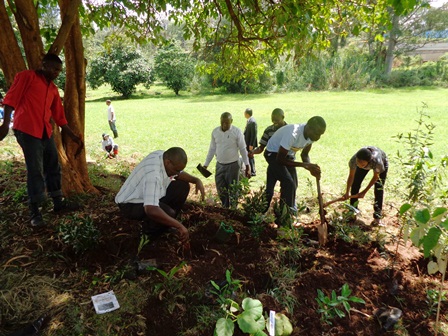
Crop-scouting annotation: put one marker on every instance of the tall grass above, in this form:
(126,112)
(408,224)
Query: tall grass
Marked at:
(354,119)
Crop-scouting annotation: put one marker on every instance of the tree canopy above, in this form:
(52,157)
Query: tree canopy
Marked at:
(243,36)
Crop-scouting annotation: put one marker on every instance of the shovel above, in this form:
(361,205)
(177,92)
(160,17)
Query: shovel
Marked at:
(322,229)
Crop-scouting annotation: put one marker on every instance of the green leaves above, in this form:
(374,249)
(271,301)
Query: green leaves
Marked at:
(251,320)
(329,308)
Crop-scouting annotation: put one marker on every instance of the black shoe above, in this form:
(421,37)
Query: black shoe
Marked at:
(37,221)
(65,205)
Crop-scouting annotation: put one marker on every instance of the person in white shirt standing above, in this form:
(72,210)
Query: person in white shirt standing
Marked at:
(226,142)
(111,117)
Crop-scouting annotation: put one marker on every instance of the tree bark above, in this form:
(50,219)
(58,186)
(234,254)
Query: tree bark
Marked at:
(75,178)
(28,22)
(393,34)
(11,60)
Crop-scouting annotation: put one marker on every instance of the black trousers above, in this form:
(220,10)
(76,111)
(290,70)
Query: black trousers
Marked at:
(360,174)
(172,203)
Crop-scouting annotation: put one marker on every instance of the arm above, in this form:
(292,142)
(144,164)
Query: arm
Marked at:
(375,178)
(183,176)
(4,128)
(350,178)
(67,130)
(256,150)
(314,169)
(158,215)
(211,152)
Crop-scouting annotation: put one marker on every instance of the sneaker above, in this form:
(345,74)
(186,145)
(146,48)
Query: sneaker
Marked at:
(37,221)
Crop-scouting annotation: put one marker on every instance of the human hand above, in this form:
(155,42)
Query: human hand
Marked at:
(250,154)
(184,236)
(359,195)
(4,129)
(248,172)
(200,188)
(314,169)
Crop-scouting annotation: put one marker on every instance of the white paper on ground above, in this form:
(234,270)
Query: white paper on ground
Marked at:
(105,302)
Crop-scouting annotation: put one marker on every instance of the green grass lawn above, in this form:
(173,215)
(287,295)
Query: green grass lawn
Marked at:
(354,119)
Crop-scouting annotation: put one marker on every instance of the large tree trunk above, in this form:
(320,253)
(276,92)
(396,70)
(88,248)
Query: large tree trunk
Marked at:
(26,17)
(75,178)
(11,60)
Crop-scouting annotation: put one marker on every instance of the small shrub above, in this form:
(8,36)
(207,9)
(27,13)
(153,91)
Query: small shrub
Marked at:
(79,232)
(331,307)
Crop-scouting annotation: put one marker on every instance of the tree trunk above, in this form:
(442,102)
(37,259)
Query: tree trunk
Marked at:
(11,60)
(28,22)
(75,178)
(393,35)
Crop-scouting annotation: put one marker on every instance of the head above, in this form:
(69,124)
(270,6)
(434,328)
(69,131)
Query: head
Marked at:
(314,128)
(108,102)
(105,136)
(278,117)
(363,157)
(51,66)
(174,160)
(226,121)
(248,113)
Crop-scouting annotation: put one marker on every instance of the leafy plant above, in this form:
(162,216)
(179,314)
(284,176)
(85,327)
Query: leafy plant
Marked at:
(249,318)
(171,286)
(422,175)
(79,232)
(432,299)
(227,290)
(331,306)
(144,240)
(430,232)
(282,214)
(237,191)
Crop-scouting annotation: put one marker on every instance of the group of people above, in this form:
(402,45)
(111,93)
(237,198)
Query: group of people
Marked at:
(158,187)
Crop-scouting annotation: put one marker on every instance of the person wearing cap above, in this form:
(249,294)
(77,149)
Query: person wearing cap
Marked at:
(109,146)
(112,118)
(226,142)
(365,159)
(156,191)
(35,100)
(280,154)
(250,137)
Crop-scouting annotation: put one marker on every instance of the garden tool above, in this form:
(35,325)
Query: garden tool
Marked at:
(322,229)
(203,171)
(336,200)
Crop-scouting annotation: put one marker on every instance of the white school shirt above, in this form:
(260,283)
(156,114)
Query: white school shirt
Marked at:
(225,146)
(110,111)
(147,183)
(289,137)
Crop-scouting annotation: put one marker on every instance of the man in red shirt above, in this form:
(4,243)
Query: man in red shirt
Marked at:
(35,100)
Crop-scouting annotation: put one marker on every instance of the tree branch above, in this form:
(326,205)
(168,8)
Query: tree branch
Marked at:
(67,23)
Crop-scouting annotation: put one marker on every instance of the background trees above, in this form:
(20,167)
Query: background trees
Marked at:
(235,41)
(174,67)
(121,66)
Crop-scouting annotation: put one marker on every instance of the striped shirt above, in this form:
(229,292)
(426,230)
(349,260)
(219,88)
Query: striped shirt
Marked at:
(147,183)
(268,133)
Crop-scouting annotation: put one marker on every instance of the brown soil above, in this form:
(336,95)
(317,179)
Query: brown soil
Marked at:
(380,274)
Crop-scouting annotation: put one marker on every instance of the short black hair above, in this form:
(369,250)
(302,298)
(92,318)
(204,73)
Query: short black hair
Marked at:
(278,111)
(176,154)
(248,111)
(53,58)
(364,154)
(317,122)
(226,115)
